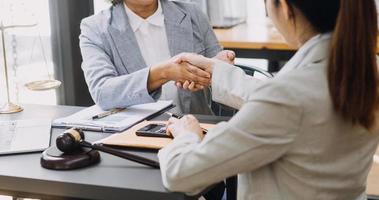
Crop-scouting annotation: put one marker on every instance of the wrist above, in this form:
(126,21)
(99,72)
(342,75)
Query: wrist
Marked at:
(156,78)
(160,72)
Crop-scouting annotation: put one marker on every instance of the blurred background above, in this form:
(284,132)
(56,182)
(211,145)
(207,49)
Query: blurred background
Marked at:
(30,50)
(51,45)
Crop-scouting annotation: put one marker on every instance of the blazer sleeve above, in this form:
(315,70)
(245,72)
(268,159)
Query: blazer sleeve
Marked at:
(108,88)
(260,133)
(231,86)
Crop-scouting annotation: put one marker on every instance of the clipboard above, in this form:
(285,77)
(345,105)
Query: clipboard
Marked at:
(129,138)
(117,122)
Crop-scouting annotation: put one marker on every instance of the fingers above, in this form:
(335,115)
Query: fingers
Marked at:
(197,71)
(170,129)
(187,124)
(186,85)
(179,84)
(197,75)
(191,86)
(226,56)
(198,79)
(190,118)
(199,87)
(183,70)
(231,54)
(172,120)
(196,60)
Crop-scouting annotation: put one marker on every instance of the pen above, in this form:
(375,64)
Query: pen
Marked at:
(105,114)
(174,115)
(205,131)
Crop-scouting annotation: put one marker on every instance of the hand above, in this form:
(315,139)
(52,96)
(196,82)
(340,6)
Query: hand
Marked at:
(190,86)
(178,71)
(199,61)
(187,124)
(226,56)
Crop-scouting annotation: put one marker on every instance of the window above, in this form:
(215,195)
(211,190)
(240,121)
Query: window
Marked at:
(29,56)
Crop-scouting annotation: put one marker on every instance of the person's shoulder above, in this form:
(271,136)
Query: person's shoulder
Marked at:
(188,8)
(99,21)
(297,87)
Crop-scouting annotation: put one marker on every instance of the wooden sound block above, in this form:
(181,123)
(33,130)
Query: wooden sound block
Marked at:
(54,159)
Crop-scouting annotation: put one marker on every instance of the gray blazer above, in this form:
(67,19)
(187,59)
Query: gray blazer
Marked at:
(286,142)
(114,68)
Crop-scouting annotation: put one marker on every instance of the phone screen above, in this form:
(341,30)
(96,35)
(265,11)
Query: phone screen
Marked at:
(153,130)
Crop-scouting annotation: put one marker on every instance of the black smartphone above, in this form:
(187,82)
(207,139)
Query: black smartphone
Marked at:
(153,130)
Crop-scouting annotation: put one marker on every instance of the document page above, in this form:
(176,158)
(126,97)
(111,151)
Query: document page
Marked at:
(114,122)
(22,136)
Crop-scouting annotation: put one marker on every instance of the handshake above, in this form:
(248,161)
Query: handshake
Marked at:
(194,72)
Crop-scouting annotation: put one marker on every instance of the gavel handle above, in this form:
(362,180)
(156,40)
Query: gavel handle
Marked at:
(127,156)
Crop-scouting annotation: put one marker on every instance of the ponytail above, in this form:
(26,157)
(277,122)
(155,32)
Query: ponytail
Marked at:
(352,71)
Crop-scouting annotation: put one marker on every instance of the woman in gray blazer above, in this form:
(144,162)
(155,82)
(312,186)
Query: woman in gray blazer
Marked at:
(127,52)
(310,132)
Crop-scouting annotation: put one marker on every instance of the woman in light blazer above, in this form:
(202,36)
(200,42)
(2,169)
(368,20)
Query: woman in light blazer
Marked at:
(127,52)
(309,133)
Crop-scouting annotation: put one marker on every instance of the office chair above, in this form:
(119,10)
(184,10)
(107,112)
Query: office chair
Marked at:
(223,110)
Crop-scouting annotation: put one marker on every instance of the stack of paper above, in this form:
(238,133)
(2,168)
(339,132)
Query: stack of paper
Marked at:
(113,123)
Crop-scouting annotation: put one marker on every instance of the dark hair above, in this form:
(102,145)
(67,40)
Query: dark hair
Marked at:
(115,2)
(352,70)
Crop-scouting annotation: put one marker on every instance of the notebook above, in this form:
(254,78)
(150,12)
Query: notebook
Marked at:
(24,136)
(113,123)
(129,138)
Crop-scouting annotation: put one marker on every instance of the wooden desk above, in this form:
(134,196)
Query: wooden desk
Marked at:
(257,39)
(113,178)
(254,35)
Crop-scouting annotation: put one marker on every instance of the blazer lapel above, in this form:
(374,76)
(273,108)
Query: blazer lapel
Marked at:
(180,39)
(125,40)
(178,28)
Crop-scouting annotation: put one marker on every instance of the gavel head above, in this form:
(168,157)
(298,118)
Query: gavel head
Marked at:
(69,141)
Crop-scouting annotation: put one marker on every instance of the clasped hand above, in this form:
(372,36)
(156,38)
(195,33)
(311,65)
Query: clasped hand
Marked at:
(198,65)
(201,67)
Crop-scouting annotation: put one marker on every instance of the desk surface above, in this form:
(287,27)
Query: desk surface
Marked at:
(112,178)
(254,35)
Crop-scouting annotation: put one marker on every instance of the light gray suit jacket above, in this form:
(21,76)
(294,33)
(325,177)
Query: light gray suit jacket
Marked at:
(286,142)
(114,68)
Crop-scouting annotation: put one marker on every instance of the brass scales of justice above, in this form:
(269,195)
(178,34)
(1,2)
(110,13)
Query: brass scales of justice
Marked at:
(39,85)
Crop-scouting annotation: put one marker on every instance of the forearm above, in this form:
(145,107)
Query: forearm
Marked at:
(245,143)
(157,78)
(231,86)
(121,91)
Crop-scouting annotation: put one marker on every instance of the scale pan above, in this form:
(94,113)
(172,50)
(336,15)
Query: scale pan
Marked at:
(43,85)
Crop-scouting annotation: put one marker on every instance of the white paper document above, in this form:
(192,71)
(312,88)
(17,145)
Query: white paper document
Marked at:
(24,136)
(113,123)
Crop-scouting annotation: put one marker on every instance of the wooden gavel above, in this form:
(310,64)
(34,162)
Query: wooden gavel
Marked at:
(73,139)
